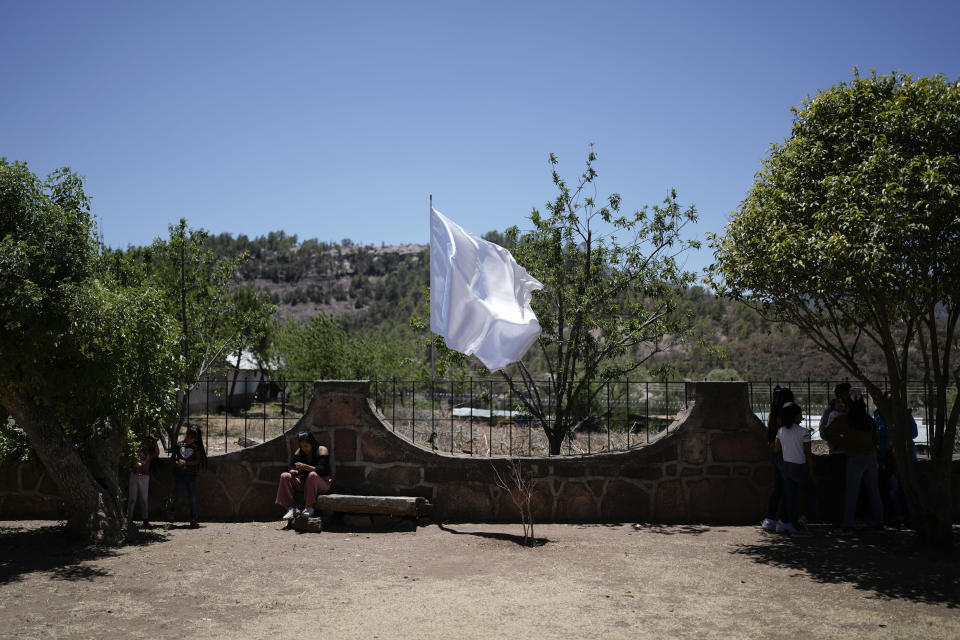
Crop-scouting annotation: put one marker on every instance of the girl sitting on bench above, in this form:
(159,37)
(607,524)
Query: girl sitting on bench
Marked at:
(309,472)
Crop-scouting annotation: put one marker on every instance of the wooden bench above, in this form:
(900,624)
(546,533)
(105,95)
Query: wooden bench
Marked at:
(365,512)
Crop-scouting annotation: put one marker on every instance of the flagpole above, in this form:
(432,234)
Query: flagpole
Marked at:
(433,366)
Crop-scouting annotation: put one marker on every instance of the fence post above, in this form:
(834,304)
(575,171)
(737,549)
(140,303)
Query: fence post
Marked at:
(627,422)
(549,410)
(490,450)
(510,417)
(646,419)
(666,394)
(589,408)
(608,415)
(530,435)
(471,415)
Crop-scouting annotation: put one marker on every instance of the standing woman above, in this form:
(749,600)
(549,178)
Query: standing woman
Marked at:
(189,457)
(140,478)
(781,396)
(309,471)
(794,442)
(856,433)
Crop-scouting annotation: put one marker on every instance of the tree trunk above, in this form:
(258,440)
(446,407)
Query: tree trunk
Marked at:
(89,488)
(173,431)
(929,501)
(233,385)
(937,527)
(930,507)
(556,442)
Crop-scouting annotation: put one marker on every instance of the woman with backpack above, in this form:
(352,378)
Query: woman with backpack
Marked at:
(854,431)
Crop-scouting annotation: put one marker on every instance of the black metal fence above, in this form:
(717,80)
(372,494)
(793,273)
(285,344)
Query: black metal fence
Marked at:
(814,395)
(235,414)
(483,416)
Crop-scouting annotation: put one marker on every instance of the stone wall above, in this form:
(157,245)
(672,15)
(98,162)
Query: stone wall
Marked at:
(711,466)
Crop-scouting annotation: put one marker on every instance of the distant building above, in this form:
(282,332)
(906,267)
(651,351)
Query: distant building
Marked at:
(245,382)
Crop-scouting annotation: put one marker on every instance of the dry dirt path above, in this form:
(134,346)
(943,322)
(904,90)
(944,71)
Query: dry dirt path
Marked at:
(254,580)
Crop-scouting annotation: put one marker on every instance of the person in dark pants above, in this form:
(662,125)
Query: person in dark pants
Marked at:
(189,457)
(793,441)
(856,432)
(775,505)
(836,460)
(890,487)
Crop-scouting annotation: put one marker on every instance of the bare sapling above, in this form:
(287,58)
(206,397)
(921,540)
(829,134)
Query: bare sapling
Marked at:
(519,485)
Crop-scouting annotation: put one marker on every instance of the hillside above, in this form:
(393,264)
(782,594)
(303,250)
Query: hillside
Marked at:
(344,280)
(378,289)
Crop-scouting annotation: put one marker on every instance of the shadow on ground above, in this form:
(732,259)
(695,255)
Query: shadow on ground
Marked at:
(51,549)
(672,529)
(887,563)
(491,535)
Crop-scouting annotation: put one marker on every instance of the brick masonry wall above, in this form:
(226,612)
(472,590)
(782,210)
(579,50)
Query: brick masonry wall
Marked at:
(711,466)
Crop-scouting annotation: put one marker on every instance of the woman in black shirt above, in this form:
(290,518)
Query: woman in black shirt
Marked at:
(309,472)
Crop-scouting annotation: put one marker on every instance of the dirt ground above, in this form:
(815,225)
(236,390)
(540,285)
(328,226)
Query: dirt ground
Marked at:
(256,580)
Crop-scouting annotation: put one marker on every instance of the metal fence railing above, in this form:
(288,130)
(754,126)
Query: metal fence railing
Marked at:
(242,413)
(483,416)
(814,395)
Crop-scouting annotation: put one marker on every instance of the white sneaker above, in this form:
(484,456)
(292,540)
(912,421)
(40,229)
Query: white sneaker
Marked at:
(768,524)
(290,515)
(308,512)
(781,527)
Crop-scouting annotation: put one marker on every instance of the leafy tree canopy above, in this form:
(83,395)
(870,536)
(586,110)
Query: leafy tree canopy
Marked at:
(198,289)
(86,365)
(851,232)
(612,284)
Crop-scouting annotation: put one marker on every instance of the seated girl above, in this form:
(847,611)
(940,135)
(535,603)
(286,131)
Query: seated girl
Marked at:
(309,472)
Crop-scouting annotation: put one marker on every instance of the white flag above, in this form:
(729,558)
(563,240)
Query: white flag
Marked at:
(479,296)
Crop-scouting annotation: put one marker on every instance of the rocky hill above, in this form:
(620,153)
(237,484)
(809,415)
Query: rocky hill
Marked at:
(378,289)
(341,279)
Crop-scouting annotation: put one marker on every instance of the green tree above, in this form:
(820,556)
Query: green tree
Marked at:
(251,321)
(611,288)
(851,232)
(723,375)
(198,291)
(86,365)
(312,350)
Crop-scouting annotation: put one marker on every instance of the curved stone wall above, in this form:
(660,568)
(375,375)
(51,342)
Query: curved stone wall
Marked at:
(711,466)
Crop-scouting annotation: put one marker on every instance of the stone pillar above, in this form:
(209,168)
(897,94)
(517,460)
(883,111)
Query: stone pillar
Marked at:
(722,471)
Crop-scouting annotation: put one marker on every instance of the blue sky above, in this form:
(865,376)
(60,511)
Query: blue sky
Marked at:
(336,120)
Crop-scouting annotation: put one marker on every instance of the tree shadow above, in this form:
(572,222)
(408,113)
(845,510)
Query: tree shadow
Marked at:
(77,572)
(492,535)
(887,563)
(672,529)
(26,550)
